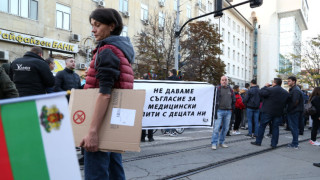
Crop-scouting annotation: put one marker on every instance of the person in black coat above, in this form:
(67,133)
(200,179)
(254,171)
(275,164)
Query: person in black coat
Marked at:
(275,99)
(67,79)
(315,101)
(295,109)
(31,74)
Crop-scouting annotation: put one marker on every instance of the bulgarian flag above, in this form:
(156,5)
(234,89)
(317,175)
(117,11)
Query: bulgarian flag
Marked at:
(36,140)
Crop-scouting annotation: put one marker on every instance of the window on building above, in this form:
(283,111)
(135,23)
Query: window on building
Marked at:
(234,40)
(123,5)
(124,31)
(234,55)
(222,49)
(23,8)
(222,33)
(224,18)
(238,69)
(144,12)
(234,25)
(229,21)
(63,16)
(238,44)
(228,68)
(242,46)
(242,59)
(242,32)
(238,57)
(188,11)
(229,37)
(233,69)
(161,19)
(242,73)
(228,52)
(175,5)
(238,29)
(210,6)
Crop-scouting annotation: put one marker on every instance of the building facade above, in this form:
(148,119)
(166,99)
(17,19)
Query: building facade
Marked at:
(62,28)
(279,24)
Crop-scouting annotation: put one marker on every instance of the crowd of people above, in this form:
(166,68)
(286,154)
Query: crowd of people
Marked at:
(110,67)
(271,105)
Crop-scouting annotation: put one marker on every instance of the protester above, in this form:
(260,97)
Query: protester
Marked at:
(275,99)
(295,108)
(243,93)
(110,68)
(31,74)
(172,76)
(67,79)
(252,102)
(225,101)
(238,109)
(315,101)
(7,87)
(51,64)
(150,131)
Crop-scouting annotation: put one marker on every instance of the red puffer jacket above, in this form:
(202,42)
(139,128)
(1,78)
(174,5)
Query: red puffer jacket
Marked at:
(239,104)
(123,75)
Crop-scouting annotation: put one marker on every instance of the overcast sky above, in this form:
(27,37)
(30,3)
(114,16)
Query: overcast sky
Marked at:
(314,20)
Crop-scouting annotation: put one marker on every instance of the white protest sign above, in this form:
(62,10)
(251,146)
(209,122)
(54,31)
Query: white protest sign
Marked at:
(176,104)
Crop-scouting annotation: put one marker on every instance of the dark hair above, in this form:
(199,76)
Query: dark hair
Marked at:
(173,71)
(235,87)
(253,81)
(108,16)
(293,78)
(49,60)
(37,50)
(246,85)
(278,81)
(315,92)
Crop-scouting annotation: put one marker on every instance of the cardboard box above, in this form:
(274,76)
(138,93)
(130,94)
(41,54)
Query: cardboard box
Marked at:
(121,129)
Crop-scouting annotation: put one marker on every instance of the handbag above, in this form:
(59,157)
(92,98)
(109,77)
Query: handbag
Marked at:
(309,109)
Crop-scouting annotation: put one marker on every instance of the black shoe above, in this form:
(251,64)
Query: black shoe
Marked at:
(151,139)
(254,136)
(316,164)
(228,134)
(273,147)
(143,140)
(81,161)
(255,143)
(301,134)
(250,135)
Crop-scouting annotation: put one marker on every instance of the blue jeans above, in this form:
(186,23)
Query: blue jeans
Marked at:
(265,119)
(253,115)
(103,166)
(293,121)
(224,117)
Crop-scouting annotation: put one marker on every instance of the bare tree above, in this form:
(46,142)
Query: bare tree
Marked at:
(155,46)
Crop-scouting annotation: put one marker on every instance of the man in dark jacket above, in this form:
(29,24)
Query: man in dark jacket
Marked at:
(224,104)
(7,87)
(31,74)
(295,108)
(67,78)
(275,99)
(252,102)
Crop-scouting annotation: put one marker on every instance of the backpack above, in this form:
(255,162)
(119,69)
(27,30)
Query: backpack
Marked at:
(309,109)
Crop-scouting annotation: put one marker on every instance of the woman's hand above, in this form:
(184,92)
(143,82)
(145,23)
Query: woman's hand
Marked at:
(90,142)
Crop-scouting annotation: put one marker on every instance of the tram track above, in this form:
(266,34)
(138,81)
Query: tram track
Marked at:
(210,166)
(185,149)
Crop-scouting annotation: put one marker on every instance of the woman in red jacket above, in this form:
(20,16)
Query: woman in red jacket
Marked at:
(110,68)
(238,109)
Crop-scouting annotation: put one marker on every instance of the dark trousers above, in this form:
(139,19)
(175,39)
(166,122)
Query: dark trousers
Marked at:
(265,119)
(293,122)
(237,116)
(103,165)
(302,123)
(150,134)
(315,127)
